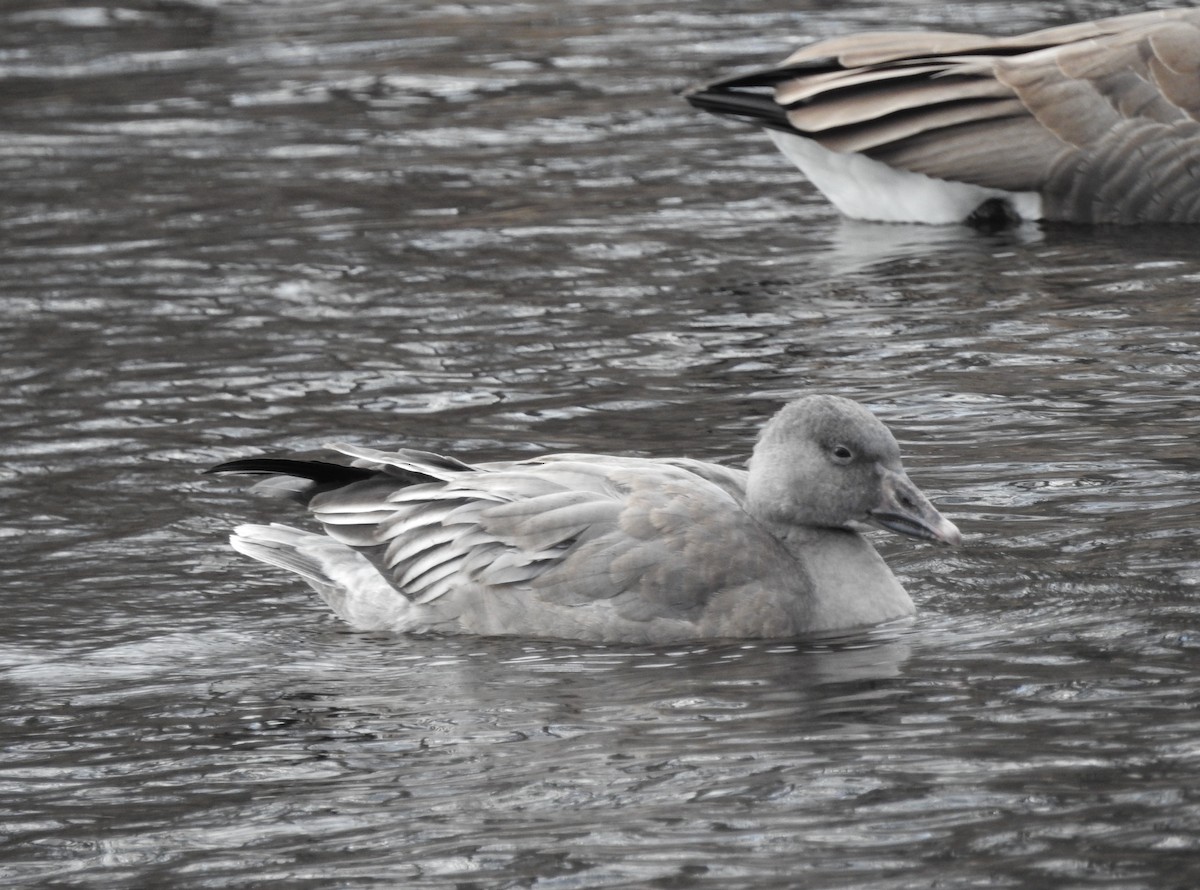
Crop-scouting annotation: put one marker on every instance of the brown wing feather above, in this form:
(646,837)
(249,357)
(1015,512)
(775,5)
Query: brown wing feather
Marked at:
(879,47)
(1099,117)
(879,100)
(1008,153)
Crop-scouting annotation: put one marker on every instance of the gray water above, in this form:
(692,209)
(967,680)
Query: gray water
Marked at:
(230,228)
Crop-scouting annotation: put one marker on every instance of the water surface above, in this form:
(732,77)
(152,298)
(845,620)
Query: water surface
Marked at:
(237,227)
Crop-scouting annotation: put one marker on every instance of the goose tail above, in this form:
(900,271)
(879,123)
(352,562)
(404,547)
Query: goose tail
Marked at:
(343,577)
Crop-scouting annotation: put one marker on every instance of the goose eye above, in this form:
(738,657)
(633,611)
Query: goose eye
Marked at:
(842,454)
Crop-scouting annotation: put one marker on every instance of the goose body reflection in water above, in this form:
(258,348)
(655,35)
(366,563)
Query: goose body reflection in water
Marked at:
(611,549)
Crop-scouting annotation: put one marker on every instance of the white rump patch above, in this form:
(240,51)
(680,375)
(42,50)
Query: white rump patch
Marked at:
(862,188)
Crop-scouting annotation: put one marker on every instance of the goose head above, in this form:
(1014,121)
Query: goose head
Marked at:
(825,462)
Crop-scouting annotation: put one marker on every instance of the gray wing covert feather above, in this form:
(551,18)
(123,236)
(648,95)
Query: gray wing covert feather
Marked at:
(497,527)
(656,539)
(674,547)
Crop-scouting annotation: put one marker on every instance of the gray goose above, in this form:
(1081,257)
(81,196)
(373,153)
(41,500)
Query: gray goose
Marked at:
(605,548)
(1095,122)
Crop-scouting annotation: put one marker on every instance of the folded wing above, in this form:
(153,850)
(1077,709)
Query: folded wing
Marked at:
(1100,118)
(565,531)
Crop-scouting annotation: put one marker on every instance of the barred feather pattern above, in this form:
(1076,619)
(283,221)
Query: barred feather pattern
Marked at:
(1098,121)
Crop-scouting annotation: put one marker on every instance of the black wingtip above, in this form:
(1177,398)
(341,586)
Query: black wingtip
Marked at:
(318,471)
(743,97)
(757,107)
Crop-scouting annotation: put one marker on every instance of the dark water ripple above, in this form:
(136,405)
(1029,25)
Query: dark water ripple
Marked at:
(239,226)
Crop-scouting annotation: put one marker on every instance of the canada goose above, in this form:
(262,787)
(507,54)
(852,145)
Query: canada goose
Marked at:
(1095,122)
(609,549)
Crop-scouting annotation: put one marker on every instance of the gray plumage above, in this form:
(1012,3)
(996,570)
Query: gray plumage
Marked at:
(606,548)
(1097,122)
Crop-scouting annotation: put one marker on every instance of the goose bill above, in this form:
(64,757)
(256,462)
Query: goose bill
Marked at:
(904,509)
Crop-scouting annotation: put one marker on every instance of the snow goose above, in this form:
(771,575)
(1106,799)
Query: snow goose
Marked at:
(1095,122)
(604,548)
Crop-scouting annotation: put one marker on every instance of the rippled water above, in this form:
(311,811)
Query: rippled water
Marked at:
(233,227)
